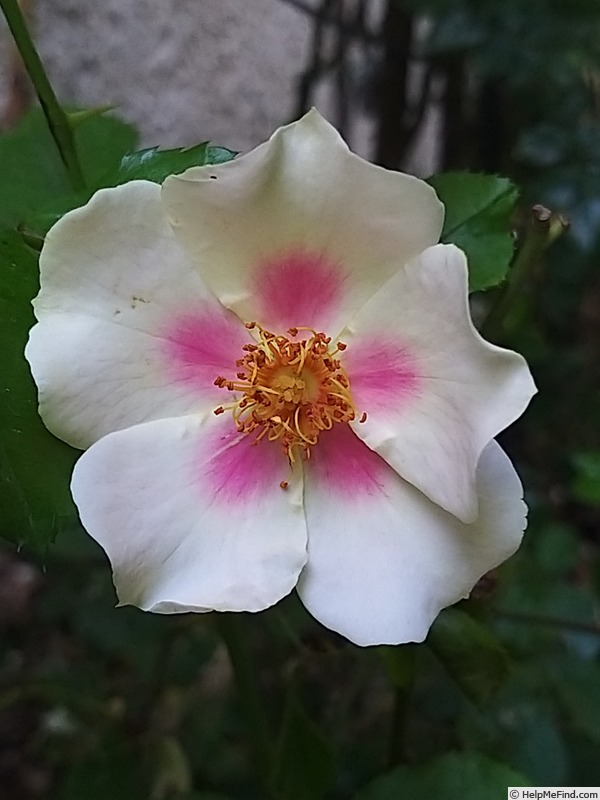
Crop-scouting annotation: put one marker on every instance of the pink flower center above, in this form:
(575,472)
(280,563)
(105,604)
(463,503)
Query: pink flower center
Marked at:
(291,390)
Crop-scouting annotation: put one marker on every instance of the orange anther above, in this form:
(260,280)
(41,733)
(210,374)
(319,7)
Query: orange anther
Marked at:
(284,484)
(364,417)
(290,391)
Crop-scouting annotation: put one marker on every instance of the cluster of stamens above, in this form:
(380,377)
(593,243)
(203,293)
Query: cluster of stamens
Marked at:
(291,390)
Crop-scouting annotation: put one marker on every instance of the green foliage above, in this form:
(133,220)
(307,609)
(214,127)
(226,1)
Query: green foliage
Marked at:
(542,586)
(171,770)
(538,747)
(586,482)
(555,553)
(544,120)
(33,176)
(399,663)
(107,771)
(470,653)
(35,467)
(478,217)
(304,758)
(561,34)
(34,187)
(454,776)
(577,688)
(155,165)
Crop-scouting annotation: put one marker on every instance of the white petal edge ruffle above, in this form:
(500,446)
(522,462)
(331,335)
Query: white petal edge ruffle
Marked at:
(434,390)
(382,565)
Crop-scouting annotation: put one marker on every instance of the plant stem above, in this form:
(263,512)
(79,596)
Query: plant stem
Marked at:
(231,628)
(57,119)
(543,227)
(542,619)
(403,676)
(397,744)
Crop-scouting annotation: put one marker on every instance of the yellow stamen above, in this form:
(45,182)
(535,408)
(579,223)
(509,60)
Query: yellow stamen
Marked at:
(290,390)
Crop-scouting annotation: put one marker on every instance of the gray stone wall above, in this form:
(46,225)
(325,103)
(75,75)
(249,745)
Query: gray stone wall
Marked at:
(181,70)
(188,70)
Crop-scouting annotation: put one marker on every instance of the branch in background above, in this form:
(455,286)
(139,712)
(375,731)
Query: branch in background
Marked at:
(330,58)
(455,141)
(341,75)
(393,134)
(354,30)
(416,113)
(531,618)
(317,66)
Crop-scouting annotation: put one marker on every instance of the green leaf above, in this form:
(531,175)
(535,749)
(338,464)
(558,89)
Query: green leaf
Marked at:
(172,774)
(33,176)
(577,687)
(556,551)
(101,142)
(478,214)
(110,769)
(35,467)
(399,662)
(32,173)
(471,654)
(151,164)
(156,165)
(547,595)
(537,748)
(305,762)
(586,483)
(454,776)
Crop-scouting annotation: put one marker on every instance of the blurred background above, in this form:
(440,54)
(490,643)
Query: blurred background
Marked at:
(97,702)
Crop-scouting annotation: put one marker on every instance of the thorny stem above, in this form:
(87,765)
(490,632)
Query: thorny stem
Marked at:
(231,629)
(543,227)
(57,119)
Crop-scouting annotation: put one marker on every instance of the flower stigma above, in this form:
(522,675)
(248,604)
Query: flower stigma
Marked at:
(291,390)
